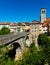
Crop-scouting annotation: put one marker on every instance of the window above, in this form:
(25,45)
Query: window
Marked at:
(39,30)
(18,29)
(43,30)
(42,12)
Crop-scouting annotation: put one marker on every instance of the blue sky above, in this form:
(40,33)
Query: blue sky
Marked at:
(22,10)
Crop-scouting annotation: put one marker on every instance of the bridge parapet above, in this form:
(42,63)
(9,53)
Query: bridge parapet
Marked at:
(6,39)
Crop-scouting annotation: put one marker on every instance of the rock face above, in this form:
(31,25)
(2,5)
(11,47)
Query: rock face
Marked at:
(18,55)
(36,43)
(28,42)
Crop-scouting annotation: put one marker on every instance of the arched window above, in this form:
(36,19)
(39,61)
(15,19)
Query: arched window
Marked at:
(42,12)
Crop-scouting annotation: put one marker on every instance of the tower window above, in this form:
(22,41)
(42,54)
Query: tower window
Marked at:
(42,12)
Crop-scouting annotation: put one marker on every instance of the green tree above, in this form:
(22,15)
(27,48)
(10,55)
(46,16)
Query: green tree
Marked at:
(33,57)
(4,30)
(4,58)
(44,42)
(42,39)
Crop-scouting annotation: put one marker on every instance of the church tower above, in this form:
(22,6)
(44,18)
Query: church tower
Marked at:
(43,15)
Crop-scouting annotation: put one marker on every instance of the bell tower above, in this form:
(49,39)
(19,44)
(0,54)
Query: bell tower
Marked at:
(43,15)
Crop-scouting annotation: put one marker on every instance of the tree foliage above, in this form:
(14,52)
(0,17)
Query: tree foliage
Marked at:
(42,39)
(44,42)
(32,57)
(35,57)
(4,30)
(4,58)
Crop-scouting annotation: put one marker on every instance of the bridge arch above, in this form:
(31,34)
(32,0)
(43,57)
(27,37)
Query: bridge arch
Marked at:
(16,45)
(15,51)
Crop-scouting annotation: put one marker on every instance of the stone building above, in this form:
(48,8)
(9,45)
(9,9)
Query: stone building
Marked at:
(20,27)
(42,15)
(34,28)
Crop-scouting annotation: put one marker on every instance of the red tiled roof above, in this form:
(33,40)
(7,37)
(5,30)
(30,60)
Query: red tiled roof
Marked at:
(35,22)
(23,24)
(4,23)
(7,23)
(46,22)
(20,24)
(12,24)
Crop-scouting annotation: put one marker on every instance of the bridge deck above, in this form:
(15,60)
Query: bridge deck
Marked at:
(6,39)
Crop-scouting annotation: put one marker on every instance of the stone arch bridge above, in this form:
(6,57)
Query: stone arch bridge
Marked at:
(21,40)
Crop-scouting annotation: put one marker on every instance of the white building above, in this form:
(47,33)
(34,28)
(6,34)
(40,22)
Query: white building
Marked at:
(13,27)
(2,24)
(42,29)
